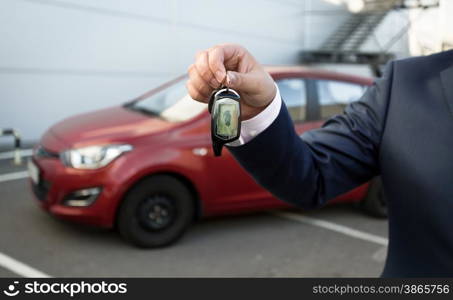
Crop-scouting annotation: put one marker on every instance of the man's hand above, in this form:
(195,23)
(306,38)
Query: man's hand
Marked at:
(243,74)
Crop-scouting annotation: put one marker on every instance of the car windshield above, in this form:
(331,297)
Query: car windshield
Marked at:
(172,104)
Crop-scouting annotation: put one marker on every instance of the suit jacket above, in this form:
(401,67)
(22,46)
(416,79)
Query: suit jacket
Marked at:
(401,129)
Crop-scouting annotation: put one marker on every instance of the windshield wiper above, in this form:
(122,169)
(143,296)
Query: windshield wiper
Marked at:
(134,107)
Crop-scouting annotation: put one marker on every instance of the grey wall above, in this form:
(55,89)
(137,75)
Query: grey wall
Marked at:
(61,57)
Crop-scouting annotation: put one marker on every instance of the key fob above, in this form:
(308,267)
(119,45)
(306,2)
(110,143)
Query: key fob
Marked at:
(225,110)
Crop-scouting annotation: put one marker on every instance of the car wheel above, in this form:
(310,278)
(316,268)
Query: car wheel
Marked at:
(156,212)
(375,203)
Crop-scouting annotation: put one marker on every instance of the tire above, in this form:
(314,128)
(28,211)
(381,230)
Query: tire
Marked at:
(375,203)
(156,212)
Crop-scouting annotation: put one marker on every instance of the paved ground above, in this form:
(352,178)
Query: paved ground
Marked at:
(262,244)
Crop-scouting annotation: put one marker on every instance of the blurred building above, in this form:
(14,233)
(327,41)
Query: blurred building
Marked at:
(432,30)
(62,57)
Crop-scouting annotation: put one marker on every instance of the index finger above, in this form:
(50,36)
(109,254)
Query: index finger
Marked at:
(223,57)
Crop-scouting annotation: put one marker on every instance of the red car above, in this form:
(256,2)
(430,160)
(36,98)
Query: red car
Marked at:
(147,167)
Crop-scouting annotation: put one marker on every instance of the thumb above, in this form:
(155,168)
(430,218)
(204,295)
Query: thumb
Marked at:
(241,81)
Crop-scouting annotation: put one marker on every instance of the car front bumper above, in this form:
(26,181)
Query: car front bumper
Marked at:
(57,182)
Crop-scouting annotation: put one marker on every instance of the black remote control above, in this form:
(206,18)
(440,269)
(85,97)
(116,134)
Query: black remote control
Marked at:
(225,110)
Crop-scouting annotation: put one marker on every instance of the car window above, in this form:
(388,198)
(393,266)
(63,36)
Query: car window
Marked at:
(172,104)
(334,96)
(293,93)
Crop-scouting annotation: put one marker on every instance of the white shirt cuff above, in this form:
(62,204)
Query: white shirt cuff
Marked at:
(252,127)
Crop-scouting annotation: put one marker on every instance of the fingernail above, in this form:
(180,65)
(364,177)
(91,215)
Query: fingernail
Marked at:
(219,76)
(231,77)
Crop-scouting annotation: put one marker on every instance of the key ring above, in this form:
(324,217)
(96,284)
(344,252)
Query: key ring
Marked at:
(223,84)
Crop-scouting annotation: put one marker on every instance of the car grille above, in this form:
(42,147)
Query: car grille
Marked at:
(41,190)
(44,153)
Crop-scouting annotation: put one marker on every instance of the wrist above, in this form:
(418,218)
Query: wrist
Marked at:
(253,111)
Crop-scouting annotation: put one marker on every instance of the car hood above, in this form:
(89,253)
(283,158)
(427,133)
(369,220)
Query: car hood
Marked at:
(111,125)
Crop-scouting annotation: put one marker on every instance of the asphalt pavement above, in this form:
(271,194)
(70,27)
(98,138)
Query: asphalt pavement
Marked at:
(336,241)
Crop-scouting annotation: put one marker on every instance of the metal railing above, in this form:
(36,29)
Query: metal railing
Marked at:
(17,143)
(364,6)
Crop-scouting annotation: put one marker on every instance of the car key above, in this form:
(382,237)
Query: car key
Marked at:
(225,110)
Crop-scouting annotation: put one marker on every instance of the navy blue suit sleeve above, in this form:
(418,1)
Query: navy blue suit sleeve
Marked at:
(309,170)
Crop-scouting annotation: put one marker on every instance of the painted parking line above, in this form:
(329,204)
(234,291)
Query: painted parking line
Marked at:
(361,235)
(380,255)
(13,176)
(20,268)
(10,154)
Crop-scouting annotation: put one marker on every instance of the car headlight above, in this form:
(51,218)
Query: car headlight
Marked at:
(93,157)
